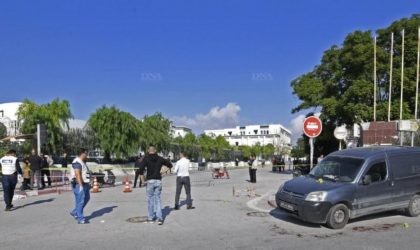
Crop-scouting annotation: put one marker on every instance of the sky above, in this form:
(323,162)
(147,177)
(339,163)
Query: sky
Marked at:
(203,64)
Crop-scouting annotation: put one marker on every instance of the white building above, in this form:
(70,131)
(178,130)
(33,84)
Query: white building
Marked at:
(178,131)
(250,135)
(8,117)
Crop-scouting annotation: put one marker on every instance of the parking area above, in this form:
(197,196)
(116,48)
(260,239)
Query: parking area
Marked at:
(230,214)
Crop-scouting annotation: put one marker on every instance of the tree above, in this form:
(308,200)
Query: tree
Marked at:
(118,132)
(298,151)
(54,115)
(268,150)
(3,131)
(155,130)
(341,86)
(80,138)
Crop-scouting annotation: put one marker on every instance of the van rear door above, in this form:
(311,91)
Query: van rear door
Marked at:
(406,175)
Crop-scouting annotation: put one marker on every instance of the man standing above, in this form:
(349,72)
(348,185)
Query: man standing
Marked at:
(35,163)
(64,163)
(137,173)
(153,164)
(79,174)
(254,167)
(182,168)
(250,163)
(46,162)
(10,168)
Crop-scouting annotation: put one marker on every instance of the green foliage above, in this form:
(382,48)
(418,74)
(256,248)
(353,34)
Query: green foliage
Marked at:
(54,115)
(155,130)
(341,86)
(298,151)
(118,132)
(3,131)
(80,138)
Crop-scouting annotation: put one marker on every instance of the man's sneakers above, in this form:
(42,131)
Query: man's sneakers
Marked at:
(190,207)
(73,215)
(160,222)
(83,222)
(148,221)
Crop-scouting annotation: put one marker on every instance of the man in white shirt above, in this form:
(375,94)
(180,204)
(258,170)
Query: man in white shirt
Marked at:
(10,168)
(182,168)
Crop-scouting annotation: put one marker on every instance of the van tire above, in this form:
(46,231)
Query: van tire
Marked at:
(338,216)
(413,209)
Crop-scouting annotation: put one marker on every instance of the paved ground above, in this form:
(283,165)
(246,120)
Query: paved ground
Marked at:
(221,221)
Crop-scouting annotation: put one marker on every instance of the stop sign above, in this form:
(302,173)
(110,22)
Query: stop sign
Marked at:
(312,126)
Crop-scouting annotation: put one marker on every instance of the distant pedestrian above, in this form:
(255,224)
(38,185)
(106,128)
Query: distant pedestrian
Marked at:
(236,162)
(26,177)
(182,168)
(64,163)
(80,182)
(35,165)
(10,168)
(250,162)
(137,173)
(46,163)
(254,167)
(153,164)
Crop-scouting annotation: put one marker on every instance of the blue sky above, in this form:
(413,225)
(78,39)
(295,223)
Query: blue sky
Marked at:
(181,58)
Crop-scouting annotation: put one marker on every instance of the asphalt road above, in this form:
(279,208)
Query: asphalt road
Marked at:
(221,221)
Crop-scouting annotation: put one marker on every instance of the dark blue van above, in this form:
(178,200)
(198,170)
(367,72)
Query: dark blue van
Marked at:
(355,182)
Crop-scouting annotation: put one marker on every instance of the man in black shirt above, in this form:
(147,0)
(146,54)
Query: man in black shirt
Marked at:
(153,164)
(35,164)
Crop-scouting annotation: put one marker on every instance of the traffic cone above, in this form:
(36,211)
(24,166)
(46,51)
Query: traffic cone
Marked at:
(127,188)
(95,186)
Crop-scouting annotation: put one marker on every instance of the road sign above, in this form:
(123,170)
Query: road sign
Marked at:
(340,133)
(312,126)
(409,125)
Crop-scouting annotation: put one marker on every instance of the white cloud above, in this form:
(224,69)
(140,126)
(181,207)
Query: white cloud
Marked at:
(216,118)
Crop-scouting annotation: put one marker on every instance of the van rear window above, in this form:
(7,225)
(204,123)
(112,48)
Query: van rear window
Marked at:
(405,165)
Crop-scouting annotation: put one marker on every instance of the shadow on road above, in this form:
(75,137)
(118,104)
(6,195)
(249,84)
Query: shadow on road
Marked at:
(101,212)
(35,203)
(280,215)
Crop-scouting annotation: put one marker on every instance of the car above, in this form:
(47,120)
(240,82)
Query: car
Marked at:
(353,183)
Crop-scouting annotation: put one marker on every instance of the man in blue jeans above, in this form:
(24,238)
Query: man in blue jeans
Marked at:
(10,168)
(153,164)
(80,181)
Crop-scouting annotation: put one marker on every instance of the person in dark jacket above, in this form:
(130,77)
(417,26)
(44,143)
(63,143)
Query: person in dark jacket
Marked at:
(45,171)
(35,164)
(137,166)
(153,164)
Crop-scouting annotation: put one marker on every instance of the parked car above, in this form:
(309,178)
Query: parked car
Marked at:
(356,182)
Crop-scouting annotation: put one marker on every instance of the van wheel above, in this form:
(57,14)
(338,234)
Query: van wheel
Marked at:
(338,216)
(413,209)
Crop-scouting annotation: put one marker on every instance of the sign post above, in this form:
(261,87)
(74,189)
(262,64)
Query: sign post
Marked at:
(340,133)
(312,128)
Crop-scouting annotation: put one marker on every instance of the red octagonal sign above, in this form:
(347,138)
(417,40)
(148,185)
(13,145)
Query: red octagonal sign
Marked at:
(312,126)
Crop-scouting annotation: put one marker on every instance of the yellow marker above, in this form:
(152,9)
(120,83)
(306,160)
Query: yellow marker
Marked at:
(405,225)
(320,180)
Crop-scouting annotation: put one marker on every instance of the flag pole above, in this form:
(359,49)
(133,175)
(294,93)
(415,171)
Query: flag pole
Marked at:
(390,76)
(417,85)
(374,80)
(402,86)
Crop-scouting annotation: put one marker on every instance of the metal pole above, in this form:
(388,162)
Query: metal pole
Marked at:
(374,81)
(402,85)
(38,138)
(417,86)
(390,76)
(340,147)
(311,143)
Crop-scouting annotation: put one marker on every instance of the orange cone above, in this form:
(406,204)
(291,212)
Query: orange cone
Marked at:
(95,186)
(127,188)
